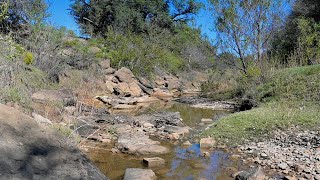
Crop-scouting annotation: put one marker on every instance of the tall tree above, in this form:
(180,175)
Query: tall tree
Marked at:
(245,28)
(22,13)
(308,9)
(291,38)
(95,17)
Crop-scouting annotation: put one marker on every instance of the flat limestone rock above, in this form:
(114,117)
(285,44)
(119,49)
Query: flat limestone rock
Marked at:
(124,106)
(176,129)
(154,162)
(139,144)
(63,96)
(139,174)
(163,95)
(124,75)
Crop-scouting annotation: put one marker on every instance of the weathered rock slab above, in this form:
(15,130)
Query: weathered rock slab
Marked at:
(124,75)
(62,96)
(176,129)
(30,151)
(161,94)
(139,144)
(139,174)
(154,162)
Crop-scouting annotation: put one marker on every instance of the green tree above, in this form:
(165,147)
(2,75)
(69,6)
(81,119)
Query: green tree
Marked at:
(96,17)
(291,39)
(307,8)
(245,28)
(23,13)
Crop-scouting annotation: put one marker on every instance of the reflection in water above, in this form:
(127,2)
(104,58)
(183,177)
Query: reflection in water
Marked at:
(189,164)
(192,116)
(182,162)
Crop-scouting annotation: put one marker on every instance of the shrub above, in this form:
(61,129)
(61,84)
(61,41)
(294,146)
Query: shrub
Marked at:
(295,84)
(28,58)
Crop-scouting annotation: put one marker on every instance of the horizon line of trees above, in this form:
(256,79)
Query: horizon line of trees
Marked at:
(250,33)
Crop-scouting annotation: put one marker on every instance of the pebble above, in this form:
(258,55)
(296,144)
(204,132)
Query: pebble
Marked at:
(307,170)
(187,143)
(291,153)
(283,166)
(264,155)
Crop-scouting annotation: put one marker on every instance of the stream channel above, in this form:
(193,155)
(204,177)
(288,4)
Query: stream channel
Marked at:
(182,162)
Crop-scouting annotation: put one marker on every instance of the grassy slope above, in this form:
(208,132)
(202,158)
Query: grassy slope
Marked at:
(290,97)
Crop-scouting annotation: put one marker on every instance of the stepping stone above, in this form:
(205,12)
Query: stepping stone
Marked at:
(139,174)
(154,162)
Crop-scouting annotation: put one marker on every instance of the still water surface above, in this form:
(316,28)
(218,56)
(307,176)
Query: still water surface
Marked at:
(181,163)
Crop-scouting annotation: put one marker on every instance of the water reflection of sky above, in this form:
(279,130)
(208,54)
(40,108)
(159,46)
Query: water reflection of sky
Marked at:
(189,164)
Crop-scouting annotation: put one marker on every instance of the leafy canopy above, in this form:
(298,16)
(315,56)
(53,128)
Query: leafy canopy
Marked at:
(96,17)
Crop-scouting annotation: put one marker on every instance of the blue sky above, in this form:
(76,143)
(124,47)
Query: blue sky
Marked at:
(60,14)
(60,17)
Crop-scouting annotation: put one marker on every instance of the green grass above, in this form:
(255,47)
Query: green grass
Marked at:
(262,121)
(288,98)
(296,84)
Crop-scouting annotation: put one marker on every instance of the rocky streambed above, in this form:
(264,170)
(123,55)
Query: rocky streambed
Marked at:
(119,138)
(165,142)
(167,145)
(291,154)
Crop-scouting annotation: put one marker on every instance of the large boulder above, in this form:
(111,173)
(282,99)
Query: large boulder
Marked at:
(122,89)
(124,75)
(145,82)
(154,162)
(139,144)
(30,151)
(127,89)
(173,83)
(61,96)
(162,94)
(139,174)
(135,90)
(145,89)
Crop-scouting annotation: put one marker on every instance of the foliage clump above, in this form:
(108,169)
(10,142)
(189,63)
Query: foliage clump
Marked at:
(28,58)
